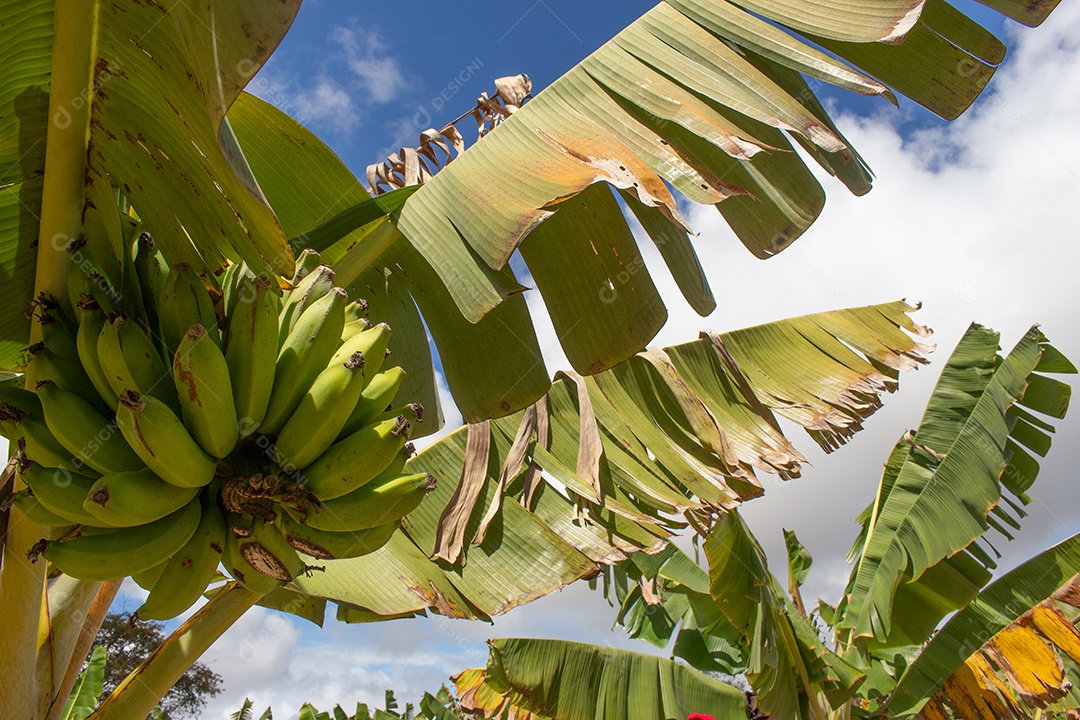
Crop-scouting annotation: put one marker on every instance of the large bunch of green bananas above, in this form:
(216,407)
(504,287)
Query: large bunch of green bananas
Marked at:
(180,422)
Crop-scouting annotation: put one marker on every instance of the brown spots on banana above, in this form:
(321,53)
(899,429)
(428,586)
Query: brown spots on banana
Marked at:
(264,561)
(355,362)
(87,303)
(241,532)
(133,401)
(184,375)
(13,414)
(37,550)
(309,548)
(101,496)
(258,510)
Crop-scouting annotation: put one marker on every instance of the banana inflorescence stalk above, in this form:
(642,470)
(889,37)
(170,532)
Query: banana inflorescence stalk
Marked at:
(182,422)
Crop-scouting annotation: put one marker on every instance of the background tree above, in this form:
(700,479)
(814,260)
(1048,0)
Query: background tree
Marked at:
(129,641)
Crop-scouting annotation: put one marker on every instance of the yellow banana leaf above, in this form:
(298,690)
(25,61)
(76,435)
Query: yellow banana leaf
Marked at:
(1012,649)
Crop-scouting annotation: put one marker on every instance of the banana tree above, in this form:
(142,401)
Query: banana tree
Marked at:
(963,474)
(145,102)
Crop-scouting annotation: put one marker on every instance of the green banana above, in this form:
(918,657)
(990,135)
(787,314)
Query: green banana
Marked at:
(131,298)
(61,492)
(18,402)
(353,328)
(306,352)
(88,435)
(251,352)
(58,334)
(85,280)
(374,400)
(116,554)
(382,501)
(91,323)
(372,343)
(257,554)
(323,545)
(309,291)
(163,442)
(39,445)
(357,459)
(268,552)
(356,311)
(187,574)
(306,263)
(133,498)
(152,270)
(37,513)
(66,373)
(317,420)
(147,578)
(184,302)
(131,361)
(205,390)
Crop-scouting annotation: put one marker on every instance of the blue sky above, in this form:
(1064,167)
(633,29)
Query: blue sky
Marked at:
(963,216)
(369,77)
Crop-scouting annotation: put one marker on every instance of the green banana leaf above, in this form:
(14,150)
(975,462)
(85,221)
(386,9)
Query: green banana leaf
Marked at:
(687,428)
(708,97)
(139,94)
(87,691)
(574,681)
(788,664)
(996,607)
(678,606)
(24,110)
(974,443)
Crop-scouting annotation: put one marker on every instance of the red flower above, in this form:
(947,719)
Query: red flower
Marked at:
(700,716)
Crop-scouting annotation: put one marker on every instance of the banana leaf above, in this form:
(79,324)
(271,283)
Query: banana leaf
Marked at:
(87,691)
(572,681)
(661,438)
(709,97)
(1005,602)
(973,446)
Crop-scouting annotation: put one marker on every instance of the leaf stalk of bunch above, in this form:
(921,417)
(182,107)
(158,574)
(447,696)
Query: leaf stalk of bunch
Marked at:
(143,689)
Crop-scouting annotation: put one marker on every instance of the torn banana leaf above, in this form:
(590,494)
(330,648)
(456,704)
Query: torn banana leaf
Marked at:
(707,97)
(974,447)
(523,506)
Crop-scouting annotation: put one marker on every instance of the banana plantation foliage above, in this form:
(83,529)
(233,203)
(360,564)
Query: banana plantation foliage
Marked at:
(215,347)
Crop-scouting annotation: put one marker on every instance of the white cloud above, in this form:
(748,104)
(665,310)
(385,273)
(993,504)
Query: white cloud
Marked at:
(332,99)
(322,102)
(369,60)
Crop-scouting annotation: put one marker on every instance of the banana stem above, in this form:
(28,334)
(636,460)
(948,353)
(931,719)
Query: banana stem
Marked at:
(22,585)
(95,616)
(141,691)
